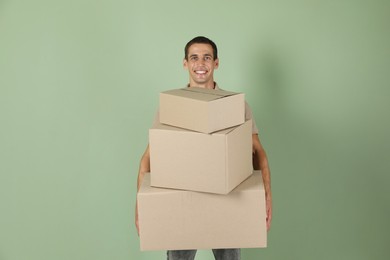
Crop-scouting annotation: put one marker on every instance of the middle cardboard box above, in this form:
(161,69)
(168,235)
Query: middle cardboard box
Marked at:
(189,160)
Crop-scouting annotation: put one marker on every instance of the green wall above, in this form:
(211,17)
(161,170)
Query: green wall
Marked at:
(79,84)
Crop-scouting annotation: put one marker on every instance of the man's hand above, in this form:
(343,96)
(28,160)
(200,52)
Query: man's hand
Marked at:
(260,162)
(268,208)
(136,218)
(143,168)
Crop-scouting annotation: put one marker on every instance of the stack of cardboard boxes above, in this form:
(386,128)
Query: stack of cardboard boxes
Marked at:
(202,191)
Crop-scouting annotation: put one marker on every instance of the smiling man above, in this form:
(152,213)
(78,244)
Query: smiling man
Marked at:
(201,59)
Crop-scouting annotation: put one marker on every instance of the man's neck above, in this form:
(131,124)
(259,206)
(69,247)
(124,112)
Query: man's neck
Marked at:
(210,85)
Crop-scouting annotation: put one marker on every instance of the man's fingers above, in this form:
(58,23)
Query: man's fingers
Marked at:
(268,214)
(269,218)
(136,225)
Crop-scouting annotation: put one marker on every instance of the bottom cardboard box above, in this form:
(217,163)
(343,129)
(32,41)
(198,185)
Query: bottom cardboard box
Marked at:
(177,219)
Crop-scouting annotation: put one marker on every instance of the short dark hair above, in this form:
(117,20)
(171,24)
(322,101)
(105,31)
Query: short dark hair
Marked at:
(201,39)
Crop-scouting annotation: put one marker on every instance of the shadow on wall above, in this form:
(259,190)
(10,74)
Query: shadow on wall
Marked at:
(316,160)
(282,98)
(269,77)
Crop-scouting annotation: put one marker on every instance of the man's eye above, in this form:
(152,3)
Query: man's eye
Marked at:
(207,58)
(193,58)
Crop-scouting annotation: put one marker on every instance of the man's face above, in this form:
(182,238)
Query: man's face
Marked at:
(200,64)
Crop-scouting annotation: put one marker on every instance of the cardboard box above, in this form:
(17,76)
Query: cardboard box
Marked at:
(176,219)
(200,109)
(188,160)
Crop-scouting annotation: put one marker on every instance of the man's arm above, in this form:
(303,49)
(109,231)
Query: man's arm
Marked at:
(144,167)
(260,162)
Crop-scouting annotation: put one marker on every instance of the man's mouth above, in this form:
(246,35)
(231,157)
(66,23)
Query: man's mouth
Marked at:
(200,72)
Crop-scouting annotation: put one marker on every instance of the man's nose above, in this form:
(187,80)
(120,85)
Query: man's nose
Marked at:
(200,61)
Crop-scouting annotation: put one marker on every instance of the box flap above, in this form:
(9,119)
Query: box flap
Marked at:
(201,94)
(230,129)
(159,126)
(252,183)
(216,92)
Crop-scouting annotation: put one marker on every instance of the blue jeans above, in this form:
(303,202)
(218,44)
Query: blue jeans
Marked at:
(219,254)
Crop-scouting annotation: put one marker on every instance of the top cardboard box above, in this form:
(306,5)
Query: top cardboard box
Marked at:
(202,110)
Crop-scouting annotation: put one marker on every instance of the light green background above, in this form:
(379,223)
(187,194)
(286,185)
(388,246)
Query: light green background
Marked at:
(79,84)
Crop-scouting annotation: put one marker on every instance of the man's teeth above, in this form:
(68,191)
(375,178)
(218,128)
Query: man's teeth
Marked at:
(200,72)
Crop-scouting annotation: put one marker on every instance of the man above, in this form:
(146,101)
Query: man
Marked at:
(201,59)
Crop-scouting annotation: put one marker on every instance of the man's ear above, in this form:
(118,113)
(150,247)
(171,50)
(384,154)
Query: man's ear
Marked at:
(216,63)
(185,64)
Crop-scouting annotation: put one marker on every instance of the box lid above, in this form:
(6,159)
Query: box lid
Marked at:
(202,94)
(159,126)
(252,183)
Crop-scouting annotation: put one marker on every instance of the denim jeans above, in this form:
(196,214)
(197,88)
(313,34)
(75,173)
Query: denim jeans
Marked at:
(219,254)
